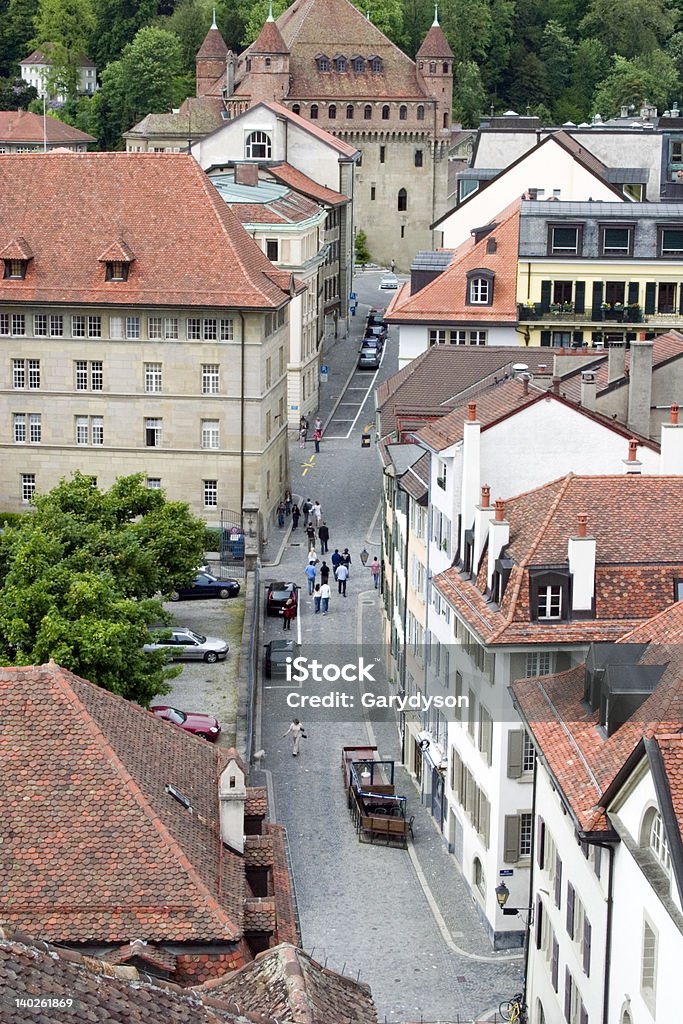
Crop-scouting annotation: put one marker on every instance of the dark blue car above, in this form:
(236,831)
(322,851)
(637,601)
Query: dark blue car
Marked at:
(204,586)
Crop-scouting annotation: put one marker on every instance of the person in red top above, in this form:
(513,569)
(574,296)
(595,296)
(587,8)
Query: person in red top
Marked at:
(288,613)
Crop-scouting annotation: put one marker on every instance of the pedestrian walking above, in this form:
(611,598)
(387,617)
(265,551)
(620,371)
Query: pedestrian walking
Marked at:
(346,560)
(311,573)
(288,613)
(306,509)
(281,512)
(342,576)
(316,440)
(310,532)
(336,561)
(296,513)
(302,438)
(375,570)
(288,502)
(393,266)
(317,513)
(303,425)
(316,599)
(325,597)
(313,557)
(323,536)
(296,731)
(318,425)
(324,573)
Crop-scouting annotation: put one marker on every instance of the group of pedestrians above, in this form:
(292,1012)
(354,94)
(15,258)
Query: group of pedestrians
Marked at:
(317,432)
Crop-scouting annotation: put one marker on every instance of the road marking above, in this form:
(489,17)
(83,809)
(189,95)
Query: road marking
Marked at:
(309,464)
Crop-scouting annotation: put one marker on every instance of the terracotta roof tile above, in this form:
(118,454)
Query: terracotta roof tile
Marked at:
(671,748)
(256,803)
(435,44)
(290,208)
(287,923)
(288,985)
(344,148)
(118,856)
(269,40)
(302,183)
(190,248)
(18,126)
(213,47)
(258,851)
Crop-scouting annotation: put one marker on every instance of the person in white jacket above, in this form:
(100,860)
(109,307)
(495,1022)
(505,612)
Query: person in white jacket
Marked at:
(296,731)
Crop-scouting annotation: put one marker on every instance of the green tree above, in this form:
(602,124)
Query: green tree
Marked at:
(361,248)
(629,27)
(253,14)
(650,77)
(116,23)
(190,22)
(78,578)
(16,31)
(416,21)
(590,65)
(498,50)
(15,94)
(64,28)
(387,15)
(469,96)
(557,54)
(467,25)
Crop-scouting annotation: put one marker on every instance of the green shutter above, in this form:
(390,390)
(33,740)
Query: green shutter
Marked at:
(545,338)
(650,296)
(511,839)
(597,300)
(545,295)
(579,296)
(633,293)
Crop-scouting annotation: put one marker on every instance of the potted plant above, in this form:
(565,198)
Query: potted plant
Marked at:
(634,312)
(567,307)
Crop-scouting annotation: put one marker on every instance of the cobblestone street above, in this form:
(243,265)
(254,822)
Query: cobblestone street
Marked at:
(402,921)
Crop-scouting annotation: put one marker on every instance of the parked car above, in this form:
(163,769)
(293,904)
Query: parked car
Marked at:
(195,722)
(204,586)
(389,281)
(277,652)
(376,316)
(371,342)
(181,642)
(376,331)
(278,595)
(369,359)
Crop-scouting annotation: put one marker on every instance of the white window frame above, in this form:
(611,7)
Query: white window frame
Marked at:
(550,597)
(210,493)
(480,291)
(210,434)
(211,378)
(28,487)
(153,428)
(153,374)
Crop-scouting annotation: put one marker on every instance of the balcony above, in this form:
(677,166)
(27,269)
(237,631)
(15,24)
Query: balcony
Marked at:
(565,314)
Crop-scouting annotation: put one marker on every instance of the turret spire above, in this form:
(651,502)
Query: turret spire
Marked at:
(436,16)
(213,23)
(270,12)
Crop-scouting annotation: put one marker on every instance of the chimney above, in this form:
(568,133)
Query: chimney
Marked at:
(671,458)
(556,385)
(483,514)
(471,471)
(632,464)
(616,360)
(588,390)
(640,388)
(230,74)
(581,551)
(246,174)
(525,385)
(499,537)
(232,793)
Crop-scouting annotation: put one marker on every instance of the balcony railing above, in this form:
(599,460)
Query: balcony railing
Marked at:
(529,313)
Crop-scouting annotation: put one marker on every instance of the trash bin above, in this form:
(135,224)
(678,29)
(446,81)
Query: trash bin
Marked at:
(365,439)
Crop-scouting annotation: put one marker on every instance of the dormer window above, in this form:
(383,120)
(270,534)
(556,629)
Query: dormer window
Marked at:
(549,597)
(15,270)
(501,575)
(340,65)
(376,65)
(257,146)
(116,270)
(480,287)
(549,604)
(358,65)
(323,62)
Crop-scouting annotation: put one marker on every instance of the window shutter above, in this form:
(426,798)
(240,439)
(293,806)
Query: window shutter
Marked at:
(567,995)
(511,840)
(579,296)
(545,338)
(650,296)
(485,825)
(596,313)
(577,338)
(570,910)
(540,842)
(539,923)
(584,1014)
(545,295)
(586,947)
(680,297)
(558,881)
(515,752)
(555,963)
(633,292)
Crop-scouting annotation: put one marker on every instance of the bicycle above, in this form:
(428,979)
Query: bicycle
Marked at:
(514,1009)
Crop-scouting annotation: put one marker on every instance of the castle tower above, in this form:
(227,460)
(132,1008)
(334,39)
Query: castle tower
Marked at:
(268,64)
(210,62)
(435,68)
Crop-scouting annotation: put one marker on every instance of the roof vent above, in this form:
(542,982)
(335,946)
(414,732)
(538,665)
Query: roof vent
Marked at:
(177,795)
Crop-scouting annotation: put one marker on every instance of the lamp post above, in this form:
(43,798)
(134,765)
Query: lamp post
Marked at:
(502,896)
(364,556)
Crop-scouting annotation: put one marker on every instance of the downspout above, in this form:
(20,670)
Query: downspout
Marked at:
(608,929)
(530,904)
(242,413)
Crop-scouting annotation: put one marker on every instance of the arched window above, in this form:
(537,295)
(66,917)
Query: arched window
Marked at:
(358,65)
(323,64)
(367,112)
(432,67)
(478,876)
(385,112)
(480,287)
(349,112)
(257,146)
(540,1012)
(446,67)
(296,109)
(402,112)
(376,66)
(402,204)
(654,837)
(332,112)
(445,119)
(626,1018)
(421,65)
(418,158)
(314,111)
(267,62)
(341,64)
(420,113)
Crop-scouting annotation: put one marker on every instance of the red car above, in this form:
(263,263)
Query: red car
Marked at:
(198,724)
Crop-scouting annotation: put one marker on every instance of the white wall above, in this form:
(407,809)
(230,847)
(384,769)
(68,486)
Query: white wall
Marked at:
(414,338)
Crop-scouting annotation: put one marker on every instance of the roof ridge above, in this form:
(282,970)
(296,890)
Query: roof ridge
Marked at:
(570,735)
(133,788)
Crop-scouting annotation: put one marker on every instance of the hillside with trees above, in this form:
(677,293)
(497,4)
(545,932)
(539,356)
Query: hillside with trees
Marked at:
(564,60)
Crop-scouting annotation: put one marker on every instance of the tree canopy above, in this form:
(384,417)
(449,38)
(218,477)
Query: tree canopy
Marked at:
(79,576)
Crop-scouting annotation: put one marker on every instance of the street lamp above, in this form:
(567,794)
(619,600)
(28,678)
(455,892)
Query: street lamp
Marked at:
(502,894)
(364,556)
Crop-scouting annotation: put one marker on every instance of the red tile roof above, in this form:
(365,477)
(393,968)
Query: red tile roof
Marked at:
(288,209)
(302,183)
(307,24)
(635,520)
(286,984)
(269,40)
(435,44)
(671,748)
(581,758)
(213,47)
(117,857)
(190,248)
(666,347)
(17,126)
(444,300)
(43,57)
(344,148)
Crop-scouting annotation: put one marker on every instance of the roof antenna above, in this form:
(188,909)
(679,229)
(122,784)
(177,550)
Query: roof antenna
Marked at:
(436,16)
(270,12)
(213,23)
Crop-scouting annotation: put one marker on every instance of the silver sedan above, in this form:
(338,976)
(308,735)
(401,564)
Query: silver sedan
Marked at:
(184,643)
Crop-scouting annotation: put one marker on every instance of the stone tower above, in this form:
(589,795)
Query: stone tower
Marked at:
(268,64)
(210,62)
(435,68)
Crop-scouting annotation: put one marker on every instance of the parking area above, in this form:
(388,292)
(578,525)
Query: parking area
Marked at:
(200,686)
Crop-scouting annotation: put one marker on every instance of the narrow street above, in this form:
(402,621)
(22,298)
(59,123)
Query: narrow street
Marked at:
(402,921)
